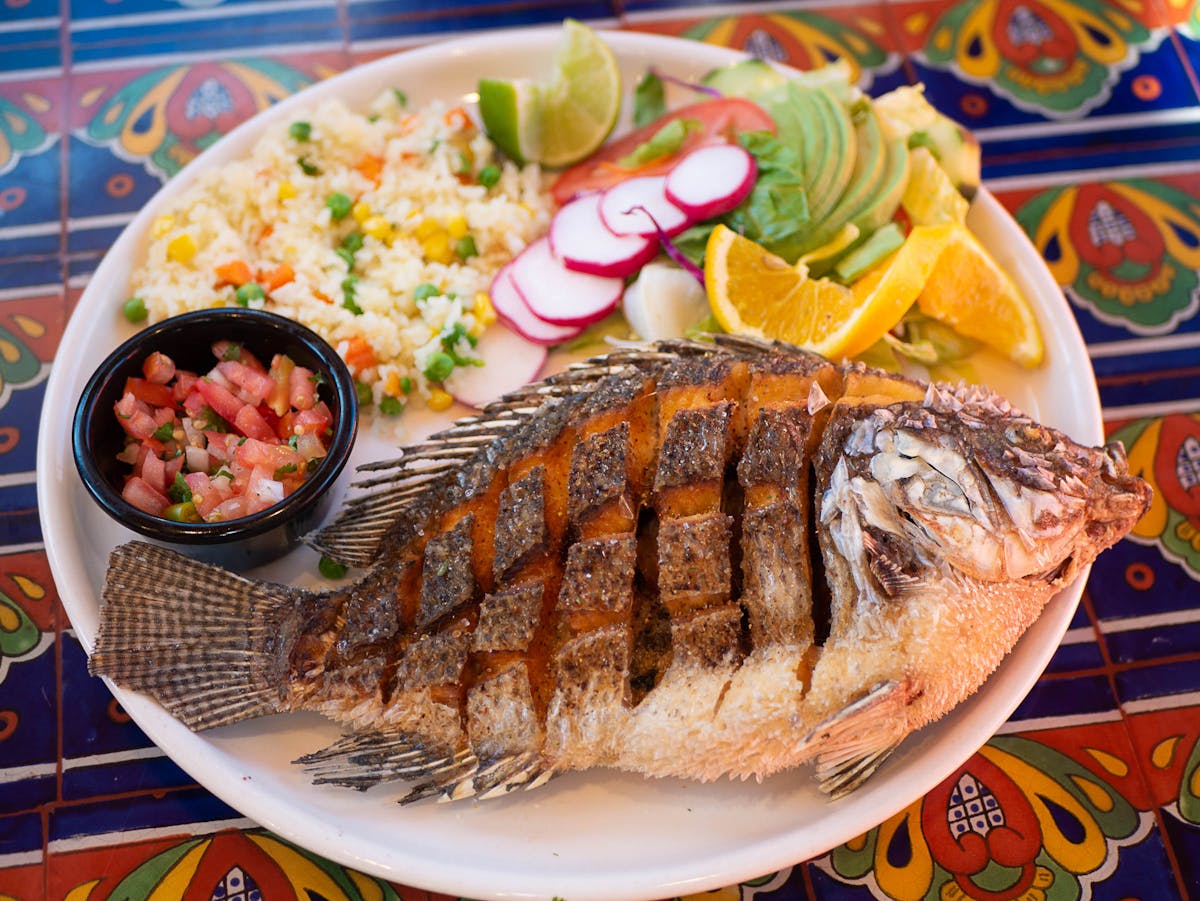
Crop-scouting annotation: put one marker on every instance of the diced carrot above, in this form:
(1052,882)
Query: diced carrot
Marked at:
(370,166)
(266,233)
(276,278)
(235,272)
(457,117)
(322,296)
(359,354)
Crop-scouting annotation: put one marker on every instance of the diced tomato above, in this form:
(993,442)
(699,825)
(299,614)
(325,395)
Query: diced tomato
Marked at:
(141,495)
(158,368)
(284,427)
(172,467)
(223,350)
(720,119)
(148,392)
(251,453)
(302,391)
(194,404)
(224,404)
(220,446)
(254,387)
(234,508)
(314,421)
(281,373)
(163,415)
(184,382)
(154,472)
(251,424)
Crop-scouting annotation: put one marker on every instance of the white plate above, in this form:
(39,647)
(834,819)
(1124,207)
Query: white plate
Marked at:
(596,835)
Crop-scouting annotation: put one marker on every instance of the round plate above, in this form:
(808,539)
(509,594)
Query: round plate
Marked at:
(592,835)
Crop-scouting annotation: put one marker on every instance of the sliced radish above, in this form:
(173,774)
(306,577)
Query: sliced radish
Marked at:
(624,206)
(557,294)
(579,237)
(509,361)
(513,312)
(711,180)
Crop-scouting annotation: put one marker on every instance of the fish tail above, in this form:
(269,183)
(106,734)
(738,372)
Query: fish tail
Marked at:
(189,634)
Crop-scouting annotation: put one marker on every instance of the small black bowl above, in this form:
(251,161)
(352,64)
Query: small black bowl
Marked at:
(97,436)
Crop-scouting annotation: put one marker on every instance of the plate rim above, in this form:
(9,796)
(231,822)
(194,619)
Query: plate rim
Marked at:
(783,850)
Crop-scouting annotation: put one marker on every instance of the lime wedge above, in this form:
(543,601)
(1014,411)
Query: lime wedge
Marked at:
(584,97)
(512,116)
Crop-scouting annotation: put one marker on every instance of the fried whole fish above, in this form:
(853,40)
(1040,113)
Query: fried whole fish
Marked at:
(686,559)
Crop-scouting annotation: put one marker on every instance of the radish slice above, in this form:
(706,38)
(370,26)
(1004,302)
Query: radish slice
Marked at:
(711,180)
(579,237)
(509,362)
(558,295)
(512,311)
(617,208)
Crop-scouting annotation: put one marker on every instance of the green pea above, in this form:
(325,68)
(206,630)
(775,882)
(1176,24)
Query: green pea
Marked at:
(301,131)
(184,512)
(406,384)
(465,248)
(363,391)
(425,291)
(390,405)
(135,309)
(489,176)
(339,205)
(439,367)
(249,293)
(353,242)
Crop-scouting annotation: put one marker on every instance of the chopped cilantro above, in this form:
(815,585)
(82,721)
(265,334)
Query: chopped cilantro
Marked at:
(347,256)
(363,392)
(353,242)
(331,569)
(286,469)
(424,291)
(164,432)
(233,353)
(306,167)
(401,97)
(349,284)
(178,490)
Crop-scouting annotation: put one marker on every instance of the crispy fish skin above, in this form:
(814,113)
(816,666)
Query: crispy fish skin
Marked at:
(679,560)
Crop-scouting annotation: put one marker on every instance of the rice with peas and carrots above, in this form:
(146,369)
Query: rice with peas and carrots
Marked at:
(381,231)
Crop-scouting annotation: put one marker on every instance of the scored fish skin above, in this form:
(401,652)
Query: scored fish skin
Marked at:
(684,560)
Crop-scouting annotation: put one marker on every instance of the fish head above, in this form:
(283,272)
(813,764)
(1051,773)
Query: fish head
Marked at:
(965,484)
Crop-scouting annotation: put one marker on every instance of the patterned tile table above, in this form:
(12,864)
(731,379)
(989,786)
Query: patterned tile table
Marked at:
(1089,115)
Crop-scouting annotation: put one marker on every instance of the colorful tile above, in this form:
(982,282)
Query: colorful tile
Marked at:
(375,23)
(803,38)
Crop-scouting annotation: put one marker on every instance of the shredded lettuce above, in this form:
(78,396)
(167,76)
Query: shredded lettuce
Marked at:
(649,99)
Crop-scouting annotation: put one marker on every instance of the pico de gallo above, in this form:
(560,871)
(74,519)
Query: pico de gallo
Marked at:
(226,444)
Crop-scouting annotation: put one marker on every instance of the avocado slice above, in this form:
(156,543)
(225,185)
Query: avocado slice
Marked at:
(749,78)
(834,165)
(865,180)
(887,195)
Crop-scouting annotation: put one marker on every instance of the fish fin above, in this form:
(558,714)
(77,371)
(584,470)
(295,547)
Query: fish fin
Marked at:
(363,759)
(853,743)
(401,493)
(189,634)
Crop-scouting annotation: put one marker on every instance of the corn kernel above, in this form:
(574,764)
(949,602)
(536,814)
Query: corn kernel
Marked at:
(181,248)
(457,227)
(437,249)
(485,313)
(161,226)
(415,212)
(379,228)
(361,211)
(426,228)
(440,400)
(286,191)
(392,384)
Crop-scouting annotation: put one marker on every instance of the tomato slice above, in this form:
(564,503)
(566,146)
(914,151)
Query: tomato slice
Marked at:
(149,392)
(720,118)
